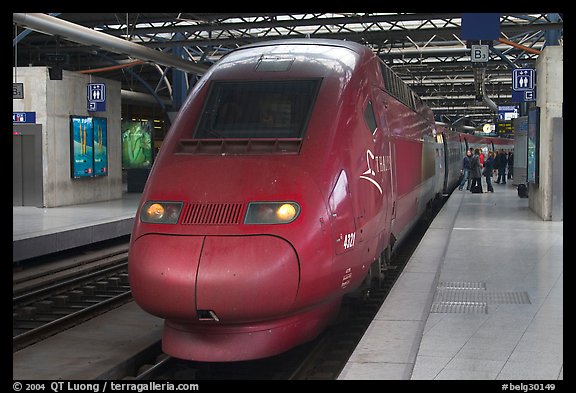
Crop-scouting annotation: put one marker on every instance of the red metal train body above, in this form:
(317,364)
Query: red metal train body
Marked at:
(286,179)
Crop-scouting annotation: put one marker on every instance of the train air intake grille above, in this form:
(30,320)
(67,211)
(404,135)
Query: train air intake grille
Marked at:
(212,213)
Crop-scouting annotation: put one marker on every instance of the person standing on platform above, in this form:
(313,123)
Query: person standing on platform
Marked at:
(466,170)
(502,163)
(496,154)
(476,173)
(510,164)
(487,171)
(482,157)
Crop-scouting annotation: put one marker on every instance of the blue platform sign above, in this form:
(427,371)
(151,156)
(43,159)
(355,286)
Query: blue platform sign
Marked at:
(96,94)
(23,117)
(523,85)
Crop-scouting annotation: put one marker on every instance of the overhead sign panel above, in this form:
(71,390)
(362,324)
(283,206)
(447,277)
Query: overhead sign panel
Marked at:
(479,53)
(96,94)
(523,85)
(480,26)
(523,79)
(507,112)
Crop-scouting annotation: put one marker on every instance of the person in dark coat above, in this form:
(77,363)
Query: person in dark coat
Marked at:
(510,164)
(487,172)
(466,170)
(502,163)
(476,172)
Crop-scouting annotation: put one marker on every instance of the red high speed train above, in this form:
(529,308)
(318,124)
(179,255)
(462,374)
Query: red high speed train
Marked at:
(287,178)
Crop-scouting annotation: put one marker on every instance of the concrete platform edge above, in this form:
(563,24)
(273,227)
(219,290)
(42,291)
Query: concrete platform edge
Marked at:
(399,323)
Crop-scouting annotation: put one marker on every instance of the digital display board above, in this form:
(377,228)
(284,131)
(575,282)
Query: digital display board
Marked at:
(136,144)
(505,129)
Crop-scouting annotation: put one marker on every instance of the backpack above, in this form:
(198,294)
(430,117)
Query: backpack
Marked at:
(522,191)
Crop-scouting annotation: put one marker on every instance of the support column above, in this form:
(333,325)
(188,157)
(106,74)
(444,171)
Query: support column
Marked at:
(550,98)
(179,85)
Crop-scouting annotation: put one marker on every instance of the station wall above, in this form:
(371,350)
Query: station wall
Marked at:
(54,101)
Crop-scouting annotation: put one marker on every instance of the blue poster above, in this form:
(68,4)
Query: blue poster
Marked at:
(100,146)
(82,136)
(533,148)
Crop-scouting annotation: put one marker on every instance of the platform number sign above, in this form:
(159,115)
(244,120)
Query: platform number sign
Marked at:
(96,94)
(17,91)
(480,53)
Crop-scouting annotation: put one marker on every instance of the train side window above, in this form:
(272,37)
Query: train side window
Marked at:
(370,118)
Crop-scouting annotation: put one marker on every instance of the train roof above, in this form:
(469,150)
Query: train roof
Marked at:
(354,46)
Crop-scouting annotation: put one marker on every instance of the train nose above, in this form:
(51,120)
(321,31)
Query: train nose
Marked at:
(225,279)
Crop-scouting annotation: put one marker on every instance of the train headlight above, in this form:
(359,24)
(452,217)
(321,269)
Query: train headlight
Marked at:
(271,212)
(155,212)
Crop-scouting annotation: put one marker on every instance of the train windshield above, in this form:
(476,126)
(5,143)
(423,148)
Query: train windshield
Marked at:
(257,109)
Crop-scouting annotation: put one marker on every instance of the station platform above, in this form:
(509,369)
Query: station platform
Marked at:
(39,231)
(480,298)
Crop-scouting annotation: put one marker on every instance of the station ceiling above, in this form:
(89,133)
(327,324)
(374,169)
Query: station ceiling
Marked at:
(425,49)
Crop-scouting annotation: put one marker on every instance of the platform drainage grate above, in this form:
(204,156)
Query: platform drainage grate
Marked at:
(472,297)
(461,285)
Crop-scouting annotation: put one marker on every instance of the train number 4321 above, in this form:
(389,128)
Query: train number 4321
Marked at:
(349,240)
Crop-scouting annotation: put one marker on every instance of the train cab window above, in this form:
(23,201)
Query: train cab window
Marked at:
(257,109)
(370,118)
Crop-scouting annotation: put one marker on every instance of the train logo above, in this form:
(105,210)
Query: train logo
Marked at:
(375,164)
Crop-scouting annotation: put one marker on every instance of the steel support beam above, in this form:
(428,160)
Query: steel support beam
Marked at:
(82,35)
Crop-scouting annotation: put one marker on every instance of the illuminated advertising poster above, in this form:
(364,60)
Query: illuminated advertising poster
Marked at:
(533,136)
(136,144)
(100,146)
(82,139)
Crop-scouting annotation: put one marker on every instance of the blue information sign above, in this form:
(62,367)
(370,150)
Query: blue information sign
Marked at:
(507,112)
(96,106)
(96,94)
(523,79)
(23,117)
(523,85)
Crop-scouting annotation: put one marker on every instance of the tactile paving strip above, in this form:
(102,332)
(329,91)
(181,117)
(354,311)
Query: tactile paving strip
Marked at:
(472,297)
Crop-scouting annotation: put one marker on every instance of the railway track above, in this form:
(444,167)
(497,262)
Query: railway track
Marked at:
(62,292)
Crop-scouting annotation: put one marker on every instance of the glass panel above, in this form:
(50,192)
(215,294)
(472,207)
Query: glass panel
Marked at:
(257,109)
